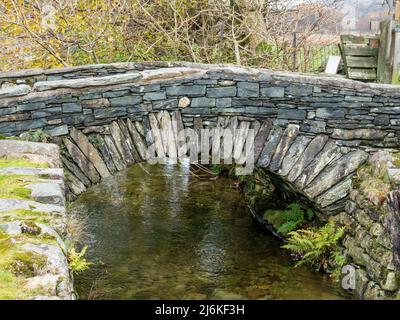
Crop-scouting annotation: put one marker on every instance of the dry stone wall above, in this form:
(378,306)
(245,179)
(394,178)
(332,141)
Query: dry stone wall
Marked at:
(314,132)
(33,217)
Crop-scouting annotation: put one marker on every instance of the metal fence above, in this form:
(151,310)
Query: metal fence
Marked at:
(313,59)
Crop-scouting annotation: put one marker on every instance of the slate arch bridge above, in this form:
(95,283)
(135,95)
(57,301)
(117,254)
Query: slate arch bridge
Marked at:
(314,132)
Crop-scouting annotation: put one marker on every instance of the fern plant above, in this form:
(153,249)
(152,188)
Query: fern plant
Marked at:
(316,246)
(77,262)
(290,219)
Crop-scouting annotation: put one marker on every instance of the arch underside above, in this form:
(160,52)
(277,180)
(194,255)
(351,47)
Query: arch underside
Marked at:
(314,164)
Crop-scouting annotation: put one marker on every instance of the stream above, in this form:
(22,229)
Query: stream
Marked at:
(157,232)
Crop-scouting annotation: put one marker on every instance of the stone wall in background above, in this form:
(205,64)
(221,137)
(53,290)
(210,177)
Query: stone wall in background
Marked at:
(314,132)
(33,220)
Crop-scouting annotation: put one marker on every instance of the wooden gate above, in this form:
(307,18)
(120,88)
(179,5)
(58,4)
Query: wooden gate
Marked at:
(360,56)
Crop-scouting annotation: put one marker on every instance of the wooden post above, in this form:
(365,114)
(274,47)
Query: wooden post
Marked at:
(389,52)
(397,10)
(396,53)
(294,46)
(384,73)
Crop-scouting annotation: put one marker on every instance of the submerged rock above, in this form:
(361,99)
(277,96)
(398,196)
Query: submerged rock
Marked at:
(220,294)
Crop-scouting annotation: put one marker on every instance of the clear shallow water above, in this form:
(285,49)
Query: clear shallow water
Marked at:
(159,233)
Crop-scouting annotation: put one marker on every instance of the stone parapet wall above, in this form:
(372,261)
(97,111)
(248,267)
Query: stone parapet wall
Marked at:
(31,76)
(33,217)
(352,113)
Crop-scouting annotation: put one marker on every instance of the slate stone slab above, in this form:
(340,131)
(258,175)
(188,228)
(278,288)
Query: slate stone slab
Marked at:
(128,140)
(261,138)
(154,96)
(83,163)
(272,92)
(52,173)
(74,169)
(121,144)
(71,107)
(287,139)
(58,131)
(192,91)
(309,154)
(7,205)
(137,139)
(14,91)
(126,101)
(300,91)
(11,228)
(292,114)
(270,146)
(49,193)
(330,113)
(202,103)
(118,160)
(336,193)
(240,139)
(73,183)
(329,153)
(110,112)
(90,152)
(156,134)
(362,133)
(41,152)
(106,154)
(293,154)
(248,89)
(336,172)
(87,82)
(221,92)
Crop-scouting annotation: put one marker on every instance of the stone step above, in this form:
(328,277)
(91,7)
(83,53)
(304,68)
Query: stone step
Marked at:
(51,173)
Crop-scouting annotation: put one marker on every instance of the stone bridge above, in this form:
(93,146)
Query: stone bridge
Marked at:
(314,132)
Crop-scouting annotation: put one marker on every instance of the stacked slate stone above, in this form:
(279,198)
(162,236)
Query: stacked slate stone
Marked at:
(36,226)
(314,132)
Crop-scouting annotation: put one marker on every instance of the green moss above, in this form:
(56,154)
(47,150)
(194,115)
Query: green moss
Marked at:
(374,183)
(26,216)
(10,286)
(18,261)
(13,187)
(25,263)
(21,162)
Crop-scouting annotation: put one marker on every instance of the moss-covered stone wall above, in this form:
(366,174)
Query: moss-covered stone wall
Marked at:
(33,234)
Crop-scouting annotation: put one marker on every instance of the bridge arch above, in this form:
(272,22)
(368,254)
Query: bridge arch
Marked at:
(314,132)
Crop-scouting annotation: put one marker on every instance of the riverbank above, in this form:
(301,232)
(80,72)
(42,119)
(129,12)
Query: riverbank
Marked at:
(34,241)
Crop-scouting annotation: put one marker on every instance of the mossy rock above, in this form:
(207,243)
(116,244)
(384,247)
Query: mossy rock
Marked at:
(20,162)
(13,187)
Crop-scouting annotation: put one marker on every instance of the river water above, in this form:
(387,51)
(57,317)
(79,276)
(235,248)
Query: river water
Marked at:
(157,232)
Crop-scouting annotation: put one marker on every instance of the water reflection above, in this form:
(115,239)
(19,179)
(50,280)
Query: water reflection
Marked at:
(157,233)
